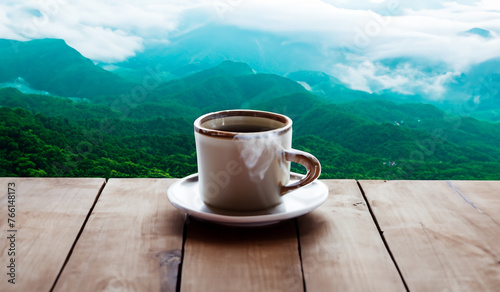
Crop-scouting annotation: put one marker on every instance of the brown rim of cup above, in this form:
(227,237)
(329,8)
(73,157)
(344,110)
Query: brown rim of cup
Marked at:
(198,128)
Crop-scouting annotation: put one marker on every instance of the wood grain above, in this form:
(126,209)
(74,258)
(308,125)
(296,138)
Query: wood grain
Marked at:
(483,195)
(49,214)
(341,246)
(132,241)
(440,240)
(218,258)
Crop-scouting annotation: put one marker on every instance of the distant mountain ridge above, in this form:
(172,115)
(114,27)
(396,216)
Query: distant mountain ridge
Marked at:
(51,65)
(227,85)
(480,32)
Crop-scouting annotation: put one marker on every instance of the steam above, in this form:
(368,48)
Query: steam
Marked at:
(259,154)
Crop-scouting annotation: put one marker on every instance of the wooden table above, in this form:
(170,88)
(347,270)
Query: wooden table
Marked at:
(86,234)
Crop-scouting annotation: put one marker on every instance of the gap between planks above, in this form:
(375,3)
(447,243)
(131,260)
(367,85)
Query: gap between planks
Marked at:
(297,231)
(381,232)
(179,268)
(79,234)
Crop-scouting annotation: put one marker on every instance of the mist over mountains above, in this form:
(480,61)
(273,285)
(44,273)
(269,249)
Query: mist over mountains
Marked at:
(413,76)
(50,65)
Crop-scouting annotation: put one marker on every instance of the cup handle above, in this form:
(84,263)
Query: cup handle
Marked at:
(310,162)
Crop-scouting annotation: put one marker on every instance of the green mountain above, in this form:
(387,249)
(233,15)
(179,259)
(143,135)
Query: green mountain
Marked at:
(93,140)
(429,145)
(480,86)
(51,65)
(146,131)
(475,93)
(228,85)
(69,144)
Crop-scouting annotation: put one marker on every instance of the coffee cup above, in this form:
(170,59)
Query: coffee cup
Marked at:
(244,159)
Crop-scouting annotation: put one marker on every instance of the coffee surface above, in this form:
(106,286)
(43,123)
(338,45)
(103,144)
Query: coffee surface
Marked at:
(243,128)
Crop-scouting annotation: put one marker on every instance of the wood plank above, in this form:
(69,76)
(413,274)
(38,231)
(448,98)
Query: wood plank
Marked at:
(49,213)
(219,258)
(439,240)
(132,241)
(341,247)
(484,195)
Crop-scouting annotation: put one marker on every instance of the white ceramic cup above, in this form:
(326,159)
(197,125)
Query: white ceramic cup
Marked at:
(244,159)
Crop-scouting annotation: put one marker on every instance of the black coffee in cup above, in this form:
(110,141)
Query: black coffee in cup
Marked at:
(243,128)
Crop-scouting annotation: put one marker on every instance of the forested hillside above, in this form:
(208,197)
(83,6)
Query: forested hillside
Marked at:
(54,136)
(37,145)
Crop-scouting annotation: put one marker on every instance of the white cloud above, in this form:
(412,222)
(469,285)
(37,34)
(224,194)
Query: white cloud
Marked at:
(428,30)
(404,79)
(397,27)
(424,32)
(305,85)
(105,31)
(353,33)
(116,42)
(384,6)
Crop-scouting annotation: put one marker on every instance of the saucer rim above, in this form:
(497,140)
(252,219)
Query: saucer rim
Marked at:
(245,220)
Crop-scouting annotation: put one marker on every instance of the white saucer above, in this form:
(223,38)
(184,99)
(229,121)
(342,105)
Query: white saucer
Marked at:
(185,196)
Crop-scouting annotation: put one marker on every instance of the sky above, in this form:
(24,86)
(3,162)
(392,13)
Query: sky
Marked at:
(367,31)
